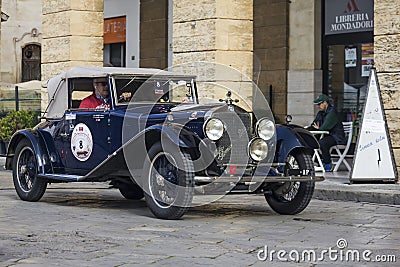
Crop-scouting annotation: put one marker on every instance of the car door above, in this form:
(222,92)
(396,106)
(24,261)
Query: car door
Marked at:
(86,140)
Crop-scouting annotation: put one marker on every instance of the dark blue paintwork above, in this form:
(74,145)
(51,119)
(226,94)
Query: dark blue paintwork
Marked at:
(291,137)
(114,128)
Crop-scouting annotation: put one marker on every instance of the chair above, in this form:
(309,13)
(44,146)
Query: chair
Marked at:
(348,130)
(318,166)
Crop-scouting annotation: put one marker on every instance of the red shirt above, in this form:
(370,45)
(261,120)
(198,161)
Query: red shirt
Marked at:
(93,102)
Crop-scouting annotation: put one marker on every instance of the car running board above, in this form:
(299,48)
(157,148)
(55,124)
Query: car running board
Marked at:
(249,179)
(62,177)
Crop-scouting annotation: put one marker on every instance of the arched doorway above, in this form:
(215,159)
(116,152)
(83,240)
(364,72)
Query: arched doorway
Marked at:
(31,62)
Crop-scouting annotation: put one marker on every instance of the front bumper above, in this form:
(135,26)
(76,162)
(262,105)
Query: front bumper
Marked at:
(223,185)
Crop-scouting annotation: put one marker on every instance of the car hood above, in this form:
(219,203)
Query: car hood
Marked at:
(206,108)
(193,110)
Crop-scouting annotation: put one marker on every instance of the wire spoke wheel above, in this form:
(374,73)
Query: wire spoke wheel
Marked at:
(131,191)
(27,185)
(163,180)
(292,197)
(292,192)
(168,181)
(288,191)
(26,167)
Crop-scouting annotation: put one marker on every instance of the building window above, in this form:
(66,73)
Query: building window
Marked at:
(115,42)
(31,62)
(347,77)
(114,55)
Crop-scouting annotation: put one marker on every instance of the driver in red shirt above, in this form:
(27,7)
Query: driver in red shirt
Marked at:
(100,97)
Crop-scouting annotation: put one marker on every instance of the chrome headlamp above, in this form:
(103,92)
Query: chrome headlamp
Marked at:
(214,129)
(258,149)
(265,129)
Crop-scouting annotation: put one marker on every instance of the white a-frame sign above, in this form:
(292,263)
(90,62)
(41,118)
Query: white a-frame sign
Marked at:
(373,158)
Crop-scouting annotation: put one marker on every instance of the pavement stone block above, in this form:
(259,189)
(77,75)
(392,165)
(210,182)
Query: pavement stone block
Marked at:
(87,224)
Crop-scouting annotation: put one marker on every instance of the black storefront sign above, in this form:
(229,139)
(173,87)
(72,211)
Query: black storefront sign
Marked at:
(348,16)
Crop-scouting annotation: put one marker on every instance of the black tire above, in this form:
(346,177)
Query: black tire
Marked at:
(28,186)
(168,182)
(291,198)
(131,191)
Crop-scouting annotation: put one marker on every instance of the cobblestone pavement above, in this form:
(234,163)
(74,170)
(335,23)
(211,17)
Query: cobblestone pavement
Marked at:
(90,225)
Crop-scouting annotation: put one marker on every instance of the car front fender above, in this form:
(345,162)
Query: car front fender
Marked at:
(290,138)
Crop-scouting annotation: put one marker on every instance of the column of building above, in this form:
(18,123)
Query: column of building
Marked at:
(271,52)
(72,35)
(387,63)
(218,31)
(304,74)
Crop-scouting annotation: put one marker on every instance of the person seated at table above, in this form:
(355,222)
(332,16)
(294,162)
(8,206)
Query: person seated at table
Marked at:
(100,97)
(327,120)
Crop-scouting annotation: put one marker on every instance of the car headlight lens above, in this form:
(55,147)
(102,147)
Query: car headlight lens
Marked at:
(258,149)
(265,129)
(214,129)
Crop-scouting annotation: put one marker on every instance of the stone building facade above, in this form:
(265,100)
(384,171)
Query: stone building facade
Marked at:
(387,63)
(154,48)
(21,31)
(72,35)
(276,42)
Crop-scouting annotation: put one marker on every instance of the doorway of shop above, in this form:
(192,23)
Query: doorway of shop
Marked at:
(346,74)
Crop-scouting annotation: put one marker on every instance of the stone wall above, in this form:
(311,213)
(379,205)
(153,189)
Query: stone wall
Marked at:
(387,63)
(72,36)
(304,75)
(23,27)
(271,32)
(216,31)
(154,34)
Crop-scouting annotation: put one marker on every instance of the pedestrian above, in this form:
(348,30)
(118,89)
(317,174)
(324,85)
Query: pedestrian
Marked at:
(327,120)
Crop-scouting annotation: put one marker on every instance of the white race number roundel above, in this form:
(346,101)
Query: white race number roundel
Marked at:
(81,142)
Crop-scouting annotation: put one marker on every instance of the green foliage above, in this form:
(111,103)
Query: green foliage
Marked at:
(16,120)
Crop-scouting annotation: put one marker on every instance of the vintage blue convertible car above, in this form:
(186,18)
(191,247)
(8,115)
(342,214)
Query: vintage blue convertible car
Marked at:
(157,141)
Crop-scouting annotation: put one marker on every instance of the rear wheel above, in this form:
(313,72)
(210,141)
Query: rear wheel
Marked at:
(28,186)
(292,197)
(131,191)
(168,182)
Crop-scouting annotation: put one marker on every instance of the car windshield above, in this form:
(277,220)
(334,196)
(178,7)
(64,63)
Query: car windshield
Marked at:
(150,89)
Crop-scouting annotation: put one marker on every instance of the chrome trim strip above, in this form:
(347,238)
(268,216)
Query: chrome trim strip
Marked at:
(248,179)
(62,177)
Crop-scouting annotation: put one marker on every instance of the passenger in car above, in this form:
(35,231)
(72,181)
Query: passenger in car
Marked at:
(100,97)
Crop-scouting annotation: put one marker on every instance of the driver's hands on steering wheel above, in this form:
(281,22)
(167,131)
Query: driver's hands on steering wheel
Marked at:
(124,97)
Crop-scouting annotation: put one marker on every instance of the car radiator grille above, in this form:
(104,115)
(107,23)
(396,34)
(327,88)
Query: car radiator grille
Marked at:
(232,147)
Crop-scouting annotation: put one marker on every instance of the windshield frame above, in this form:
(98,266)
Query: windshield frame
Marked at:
(189,80)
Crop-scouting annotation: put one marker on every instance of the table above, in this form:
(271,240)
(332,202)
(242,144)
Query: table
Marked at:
(319,132)
(320,166)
